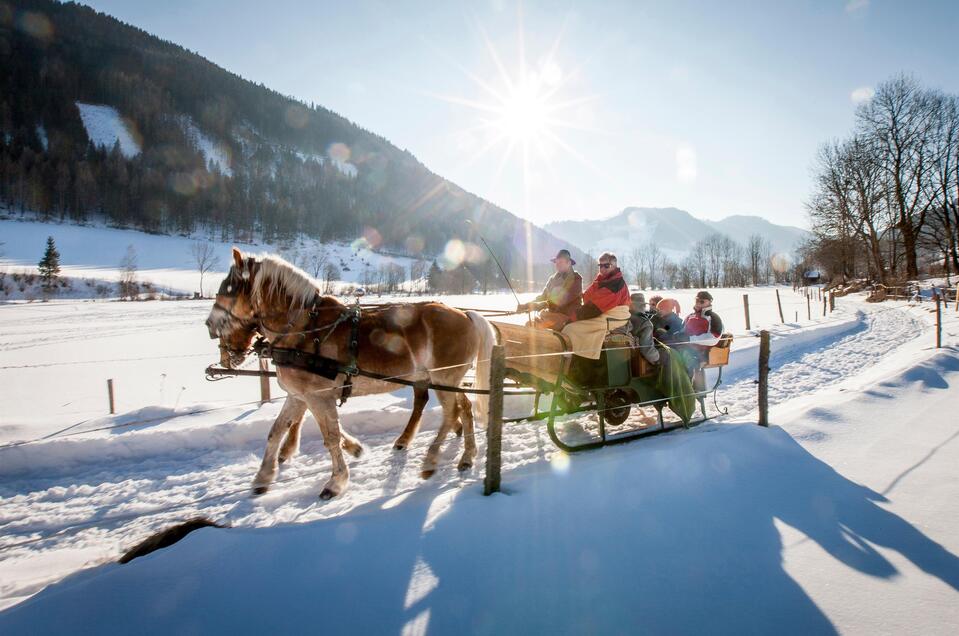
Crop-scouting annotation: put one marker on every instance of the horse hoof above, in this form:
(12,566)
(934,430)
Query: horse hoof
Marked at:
(426,474)
(327,494)
(357,452)
(464,466)
(260,490)
(282,460)
(399,447)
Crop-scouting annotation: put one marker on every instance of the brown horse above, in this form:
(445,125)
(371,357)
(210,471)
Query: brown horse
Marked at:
(421,342)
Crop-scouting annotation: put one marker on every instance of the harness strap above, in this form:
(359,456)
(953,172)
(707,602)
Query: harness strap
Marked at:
(329,369)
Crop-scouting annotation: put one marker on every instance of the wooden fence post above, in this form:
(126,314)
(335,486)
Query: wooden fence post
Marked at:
(832,302)
(110,396)
(823,306)
(938,322)
(746,309)
(764,378)
(264,381)
(494,428)
(808,308)
(779,304)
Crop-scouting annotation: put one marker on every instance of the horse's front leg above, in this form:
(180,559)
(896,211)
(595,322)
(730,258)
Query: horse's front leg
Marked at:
(323,408)
(292,411)
(291,445)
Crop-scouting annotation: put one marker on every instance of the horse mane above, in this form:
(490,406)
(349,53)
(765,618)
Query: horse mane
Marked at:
(277,279)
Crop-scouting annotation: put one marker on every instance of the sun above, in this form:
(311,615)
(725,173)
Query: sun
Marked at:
(525,113)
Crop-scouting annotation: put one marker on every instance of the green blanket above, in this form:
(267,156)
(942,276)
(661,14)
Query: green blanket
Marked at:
(674,383)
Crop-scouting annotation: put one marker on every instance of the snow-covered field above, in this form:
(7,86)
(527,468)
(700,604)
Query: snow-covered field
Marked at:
(95,252)
(841,517)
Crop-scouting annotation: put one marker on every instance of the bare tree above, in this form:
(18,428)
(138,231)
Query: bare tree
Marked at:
(900,118)
(330,275)
(205,258)
(128,274)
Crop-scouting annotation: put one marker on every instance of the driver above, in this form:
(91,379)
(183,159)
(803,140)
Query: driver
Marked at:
(561,297)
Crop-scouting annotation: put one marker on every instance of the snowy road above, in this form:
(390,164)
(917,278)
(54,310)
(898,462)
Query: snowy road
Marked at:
(100,494)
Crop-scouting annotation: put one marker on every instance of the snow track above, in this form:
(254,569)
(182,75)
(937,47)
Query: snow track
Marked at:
(76,502)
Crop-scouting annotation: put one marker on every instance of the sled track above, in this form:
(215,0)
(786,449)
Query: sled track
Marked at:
(105,494)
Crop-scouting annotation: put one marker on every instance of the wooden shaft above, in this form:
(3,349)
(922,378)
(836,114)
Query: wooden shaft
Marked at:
(494,429)
(110,396)
(779,303)
(264,381)
(746,309)
(808,308)
(764,378)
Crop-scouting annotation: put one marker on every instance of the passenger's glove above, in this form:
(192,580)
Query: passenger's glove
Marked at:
(522,308)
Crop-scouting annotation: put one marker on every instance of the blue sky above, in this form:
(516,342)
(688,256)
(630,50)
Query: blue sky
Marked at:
(713,107)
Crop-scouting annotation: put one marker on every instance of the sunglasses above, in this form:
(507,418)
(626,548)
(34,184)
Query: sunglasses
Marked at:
(605,265)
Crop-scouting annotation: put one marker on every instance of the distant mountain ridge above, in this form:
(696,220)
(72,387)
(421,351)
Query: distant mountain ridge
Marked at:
(674,230)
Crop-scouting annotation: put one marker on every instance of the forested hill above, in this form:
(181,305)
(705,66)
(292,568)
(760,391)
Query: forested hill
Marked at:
(99,118)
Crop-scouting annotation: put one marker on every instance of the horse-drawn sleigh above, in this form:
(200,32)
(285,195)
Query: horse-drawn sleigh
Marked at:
(325,350)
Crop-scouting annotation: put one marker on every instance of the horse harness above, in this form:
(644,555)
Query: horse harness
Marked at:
(315,363)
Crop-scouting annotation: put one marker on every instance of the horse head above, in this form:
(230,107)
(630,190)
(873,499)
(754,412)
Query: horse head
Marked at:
(233,319)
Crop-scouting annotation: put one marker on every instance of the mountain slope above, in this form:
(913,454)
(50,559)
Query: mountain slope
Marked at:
(674,230)
(197,146)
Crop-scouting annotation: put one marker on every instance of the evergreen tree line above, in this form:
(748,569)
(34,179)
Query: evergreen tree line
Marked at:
(886,198)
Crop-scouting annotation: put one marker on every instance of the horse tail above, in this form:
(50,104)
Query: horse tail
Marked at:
(487,338)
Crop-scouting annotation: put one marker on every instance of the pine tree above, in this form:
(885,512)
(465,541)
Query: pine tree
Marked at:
(50,264)
(434,279)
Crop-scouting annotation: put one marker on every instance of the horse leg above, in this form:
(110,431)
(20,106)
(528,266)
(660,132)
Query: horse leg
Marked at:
(291,445)
(466,426)
(448,402)
(267,473)
(420,398)
(323,408)
(350,444)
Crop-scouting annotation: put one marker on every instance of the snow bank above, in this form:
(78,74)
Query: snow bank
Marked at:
(675,535)
(105,127)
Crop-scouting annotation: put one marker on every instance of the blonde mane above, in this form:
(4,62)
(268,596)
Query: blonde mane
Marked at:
(276,278)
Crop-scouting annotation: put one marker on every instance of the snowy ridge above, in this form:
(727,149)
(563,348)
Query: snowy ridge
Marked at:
(212,150)
(105,127)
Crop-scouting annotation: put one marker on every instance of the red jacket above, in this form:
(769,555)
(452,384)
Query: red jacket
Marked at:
(697,324)
(605,292)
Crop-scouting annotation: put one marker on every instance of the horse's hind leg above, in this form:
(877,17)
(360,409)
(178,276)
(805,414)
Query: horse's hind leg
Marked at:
(291,445)
(465,410)
(450,409)
(420,398)
(291,412)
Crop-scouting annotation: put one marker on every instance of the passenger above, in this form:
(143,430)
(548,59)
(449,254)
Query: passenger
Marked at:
(561,297)
(653,301)
(705,327)
(605,301)
(668,325)
(703,320)
(642,328)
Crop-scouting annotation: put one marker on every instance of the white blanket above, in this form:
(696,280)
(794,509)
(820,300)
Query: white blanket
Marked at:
(586,336)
